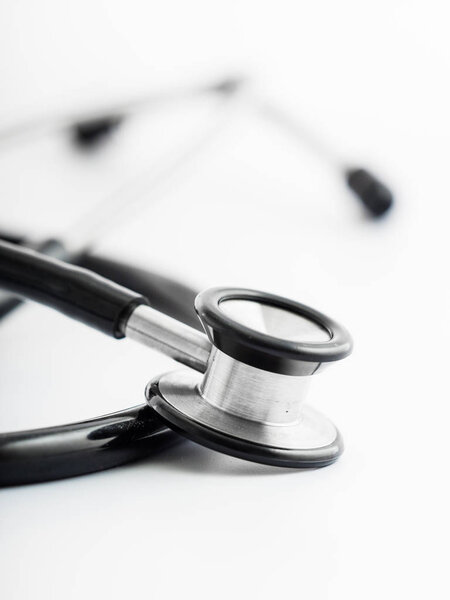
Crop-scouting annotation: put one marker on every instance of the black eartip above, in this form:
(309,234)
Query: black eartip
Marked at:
(89,134)
(376,197)
(228,86)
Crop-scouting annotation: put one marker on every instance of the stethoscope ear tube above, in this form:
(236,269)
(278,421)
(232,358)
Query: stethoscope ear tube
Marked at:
(74,291)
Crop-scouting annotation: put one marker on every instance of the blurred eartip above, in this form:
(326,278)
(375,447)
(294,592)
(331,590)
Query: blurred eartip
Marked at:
(376,197)
(229,85)
(89,134)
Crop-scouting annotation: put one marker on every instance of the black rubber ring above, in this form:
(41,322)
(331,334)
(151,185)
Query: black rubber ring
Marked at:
(265,351)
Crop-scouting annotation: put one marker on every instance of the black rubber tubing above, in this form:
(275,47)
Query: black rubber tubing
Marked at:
(58,452)
(166,295)
(72,290)
(50,247)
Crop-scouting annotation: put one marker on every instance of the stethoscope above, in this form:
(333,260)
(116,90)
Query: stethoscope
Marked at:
(250,355)
(242,395)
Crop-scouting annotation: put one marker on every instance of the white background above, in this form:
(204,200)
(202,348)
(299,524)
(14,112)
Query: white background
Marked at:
(254,210)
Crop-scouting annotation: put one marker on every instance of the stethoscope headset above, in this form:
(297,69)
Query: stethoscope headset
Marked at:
(250,355)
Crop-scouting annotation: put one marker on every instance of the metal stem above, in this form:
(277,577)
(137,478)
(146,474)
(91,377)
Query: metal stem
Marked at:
(169,336)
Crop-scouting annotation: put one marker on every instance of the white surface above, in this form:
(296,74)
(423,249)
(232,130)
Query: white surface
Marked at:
(254,212)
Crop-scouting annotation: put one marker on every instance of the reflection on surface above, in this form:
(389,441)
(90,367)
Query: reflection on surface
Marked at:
(274,321)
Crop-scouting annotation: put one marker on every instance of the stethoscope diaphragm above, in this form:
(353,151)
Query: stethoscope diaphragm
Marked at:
(250,401)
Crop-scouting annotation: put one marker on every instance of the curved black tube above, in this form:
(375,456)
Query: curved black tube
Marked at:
(50,247)
(76,292)
(103,442)
(166,295)
(50,453)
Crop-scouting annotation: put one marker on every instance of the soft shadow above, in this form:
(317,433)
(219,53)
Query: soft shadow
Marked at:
(193,458)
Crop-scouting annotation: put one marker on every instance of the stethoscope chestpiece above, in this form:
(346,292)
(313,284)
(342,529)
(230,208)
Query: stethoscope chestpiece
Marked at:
(249,402)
